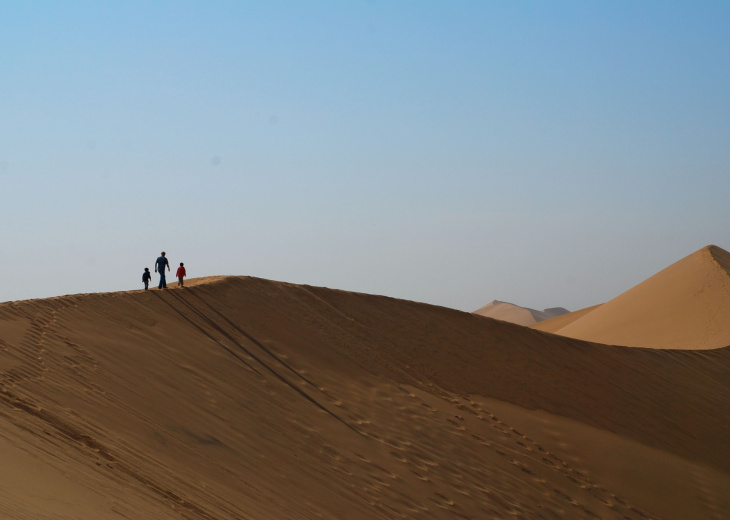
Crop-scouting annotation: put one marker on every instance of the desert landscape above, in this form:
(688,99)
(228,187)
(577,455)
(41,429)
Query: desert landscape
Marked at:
(441,260)
(245,398)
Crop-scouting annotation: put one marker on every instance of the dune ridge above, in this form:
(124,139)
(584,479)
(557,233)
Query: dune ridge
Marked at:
(238,397)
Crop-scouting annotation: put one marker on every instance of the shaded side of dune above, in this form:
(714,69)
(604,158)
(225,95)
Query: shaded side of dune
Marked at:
(678,401)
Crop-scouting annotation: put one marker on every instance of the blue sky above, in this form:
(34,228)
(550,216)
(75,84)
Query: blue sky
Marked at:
(543,153)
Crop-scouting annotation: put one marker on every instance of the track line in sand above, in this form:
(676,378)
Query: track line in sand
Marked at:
(241,331)
(86,441)
(31,351)
(34,349)
(270,369)
(207,334)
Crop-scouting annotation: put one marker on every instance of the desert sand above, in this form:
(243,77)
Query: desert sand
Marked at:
(684,306)
(244,398)
(512,313)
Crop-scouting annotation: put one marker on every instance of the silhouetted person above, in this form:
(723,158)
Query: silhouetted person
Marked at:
(180,275)
(160,264)
(146,277)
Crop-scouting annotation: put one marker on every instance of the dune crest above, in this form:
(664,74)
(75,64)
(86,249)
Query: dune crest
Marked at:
(512,313)
(240,397)
(684,306)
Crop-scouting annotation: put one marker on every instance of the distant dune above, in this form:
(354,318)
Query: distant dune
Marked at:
(558,322)
(243,398)
(515,314)
(686,306)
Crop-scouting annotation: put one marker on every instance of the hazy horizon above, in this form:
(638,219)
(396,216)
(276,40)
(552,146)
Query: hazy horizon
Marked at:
(546,154)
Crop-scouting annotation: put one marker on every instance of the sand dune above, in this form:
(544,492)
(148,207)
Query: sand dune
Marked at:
(515,314)
(686,305)
(245,398)
(558,322)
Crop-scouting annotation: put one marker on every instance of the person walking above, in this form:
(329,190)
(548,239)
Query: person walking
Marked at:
(180,275)
(160,264)
(146,277)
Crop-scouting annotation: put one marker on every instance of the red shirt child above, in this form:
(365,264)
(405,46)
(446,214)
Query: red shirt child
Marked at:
(180,274)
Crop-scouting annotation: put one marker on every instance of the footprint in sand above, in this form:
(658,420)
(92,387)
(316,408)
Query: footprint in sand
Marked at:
(330,452)
(421,477)
(443,501)
(462,491)
(399,457)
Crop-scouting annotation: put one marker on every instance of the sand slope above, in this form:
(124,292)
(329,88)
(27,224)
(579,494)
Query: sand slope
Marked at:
(515,314)
(246,398)
(686,305)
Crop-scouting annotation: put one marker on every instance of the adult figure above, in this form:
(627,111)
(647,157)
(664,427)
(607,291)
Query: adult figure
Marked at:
(160,264)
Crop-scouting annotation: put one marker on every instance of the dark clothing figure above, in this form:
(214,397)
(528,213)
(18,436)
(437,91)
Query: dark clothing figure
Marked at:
(160,264)
(146,277)
(180,275)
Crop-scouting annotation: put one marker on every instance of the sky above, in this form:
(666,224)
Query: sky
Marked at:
(545,153)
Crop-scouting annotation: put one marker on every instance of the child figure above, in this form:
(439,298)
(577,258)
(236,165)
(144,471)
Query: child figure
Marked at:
(146,277)
(180,275)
